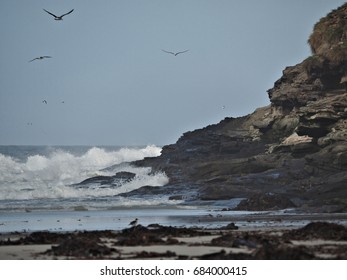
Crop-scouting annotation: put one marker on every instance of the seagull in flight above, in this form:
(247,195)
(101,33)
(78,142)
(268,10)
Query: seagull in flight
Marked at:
(44,101)
(175,54)
(58,17)
(40,58)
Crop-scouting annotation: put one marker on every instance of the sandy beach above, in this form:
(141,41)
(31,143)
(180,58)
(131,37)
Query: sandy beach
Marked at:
(216,236)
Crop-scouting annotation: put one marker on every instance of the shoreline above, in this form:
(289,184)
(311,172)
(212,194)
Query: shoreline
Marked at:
(119,218)
(252,236)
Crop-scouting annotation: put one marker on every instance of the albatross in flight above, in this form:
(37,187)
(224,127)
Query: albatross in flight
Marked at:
(40,58)
(58,17)
(175,54)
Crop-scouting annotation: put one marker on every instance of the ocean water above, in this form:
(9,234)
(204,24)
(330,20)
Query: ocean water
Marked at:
(40,190)
(45,177)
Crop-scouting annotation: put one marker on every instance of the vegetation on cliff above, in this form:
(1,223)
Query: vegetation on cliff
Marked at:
(328,43)
(329,36)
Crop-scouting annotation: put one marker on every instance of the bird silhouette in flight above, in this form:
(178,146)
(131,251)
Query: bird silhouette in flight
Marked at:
(58,17)
(44,101)
(175,54)
(40,58)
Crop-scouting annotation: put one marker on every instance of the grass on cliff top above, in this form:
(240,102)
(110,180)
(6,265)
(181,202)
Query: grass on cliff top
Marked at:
(329,36)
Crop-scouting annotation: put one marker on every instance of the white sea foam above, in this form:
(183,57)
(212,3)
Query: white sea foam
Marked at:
(51,176)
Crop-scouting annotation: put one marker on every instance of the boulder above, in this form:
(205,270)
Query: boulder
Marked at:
(117,179)
(265,202)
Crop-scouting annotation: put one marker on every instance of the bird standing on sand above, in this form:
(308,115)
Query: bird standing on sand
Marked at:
(134,223)
(58,17)
(175,54)
(40,58)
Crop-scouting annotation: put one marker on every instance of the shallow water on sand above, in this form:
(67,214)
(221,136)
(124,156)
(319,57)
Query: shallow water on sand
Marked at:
(118,219)
(93,220)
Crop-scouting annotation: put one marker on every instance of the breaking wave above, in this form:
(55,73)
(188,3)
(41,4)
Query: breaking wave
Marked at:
(52,175)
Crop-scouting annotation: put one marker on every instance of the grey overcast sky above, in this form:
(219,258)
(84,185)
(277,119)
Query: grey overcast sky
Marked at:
(109,82)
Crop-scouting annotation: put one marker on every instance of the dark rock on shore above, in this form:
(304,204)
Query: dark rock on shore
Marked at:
(264,202)
(295,148)
(282,252)
(116,180)
(317,240)
(319,230)
(81,247)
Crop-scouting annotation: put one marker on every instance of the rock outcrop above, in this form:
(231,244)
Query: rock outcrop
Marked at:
(116,180)
(296,147)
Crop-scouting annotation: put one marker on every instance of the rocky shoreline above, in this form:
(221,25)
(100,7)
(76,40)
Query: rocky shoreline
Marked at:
(316,240)
(292,152)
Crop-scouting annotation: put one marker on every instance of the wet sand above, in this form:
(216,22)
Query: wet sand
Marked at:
(119,219)
(214,236)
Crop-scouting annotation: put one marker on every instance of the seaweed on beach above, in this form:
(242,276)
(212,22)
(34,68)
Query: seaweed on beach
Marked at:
(251,244)
(151,255)
(138,235)
(283,252)
(81,247)
(318,230)
(154,234)
(39,237)
(46,237)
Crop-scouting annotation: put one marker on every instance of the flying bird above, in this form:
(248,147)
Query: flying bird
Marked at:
(175,54)
(40,58)
(44,101)
(58,17)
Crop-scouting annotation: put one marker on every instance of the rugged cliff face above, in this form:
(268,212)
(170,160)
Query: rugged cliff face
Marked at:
(290,153)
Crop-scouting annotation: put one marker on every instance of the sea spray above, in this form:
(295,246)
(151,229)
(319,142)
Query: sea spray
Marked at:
(52,175)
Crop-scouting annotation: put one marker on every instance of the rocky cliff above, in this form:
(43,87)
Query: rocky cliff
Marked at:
(292,153)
